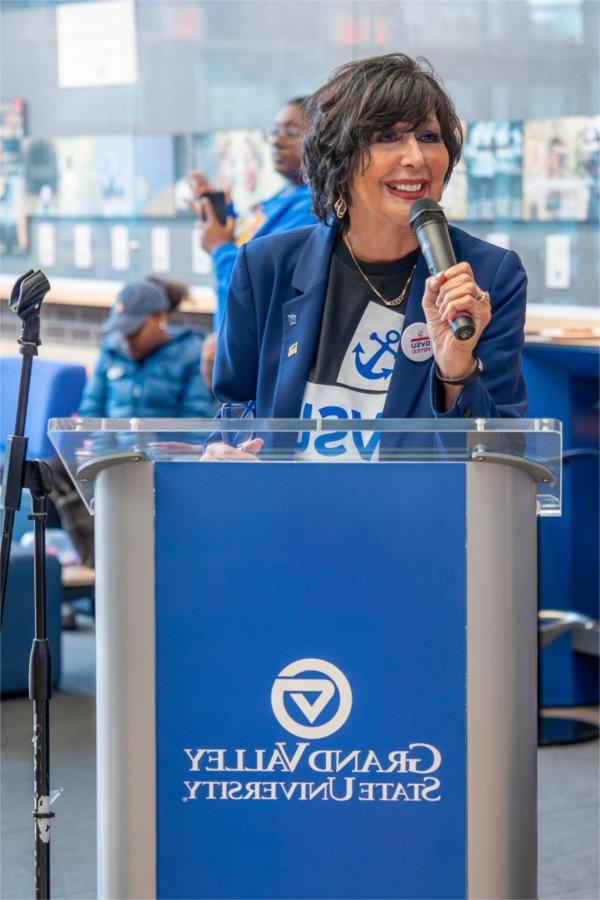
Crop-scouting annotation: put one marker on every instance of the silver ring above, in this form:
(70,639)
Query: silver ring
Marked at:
(481,296)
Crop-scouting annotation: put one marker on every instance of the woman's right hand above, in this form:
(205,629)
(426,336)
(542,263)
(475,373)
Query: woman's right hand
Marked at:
(246,452)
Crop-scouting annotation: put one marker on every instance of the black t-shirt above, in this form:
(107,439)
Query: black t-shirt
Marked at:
(358,344)
(347,304)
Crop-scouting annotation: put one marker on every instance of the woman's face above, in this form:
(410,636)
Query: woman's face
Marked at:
(401,166)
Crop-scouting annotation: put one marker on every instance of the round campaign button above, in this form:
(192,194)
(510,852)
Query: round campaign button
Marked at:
(416,343)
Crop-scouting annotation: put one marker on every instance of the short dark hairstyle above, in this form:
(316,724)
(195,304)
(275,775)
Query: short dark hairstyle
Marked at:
(297,101)
(359,99)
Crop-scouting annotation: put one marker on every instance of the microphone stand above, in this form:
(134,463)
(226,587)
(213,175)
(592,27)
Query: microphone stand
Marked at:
(35,475)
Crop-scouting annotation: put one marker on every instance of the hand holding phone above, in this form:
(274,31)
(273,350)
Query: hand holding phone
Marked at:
(219,204)
(218,228)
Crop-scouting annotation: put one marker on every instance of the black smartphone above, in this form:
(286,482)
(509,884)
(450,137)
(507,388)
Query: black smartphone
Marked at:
(218,203)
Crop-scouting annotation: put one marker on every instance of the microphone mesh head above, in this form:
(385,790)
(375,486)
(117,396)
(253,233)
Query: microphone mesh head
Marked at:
(424,211)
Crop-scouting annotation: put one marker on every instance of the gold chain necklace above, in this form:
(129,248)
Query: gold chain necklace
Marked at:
(395,301)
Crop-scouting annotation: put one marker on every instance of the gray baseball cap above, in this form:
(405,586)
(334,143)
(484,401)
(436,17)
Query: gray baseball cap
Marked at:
(135,302)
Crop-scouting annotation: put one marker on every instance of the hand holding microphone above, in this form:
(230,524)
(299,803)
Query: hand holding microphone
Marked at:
(456,308)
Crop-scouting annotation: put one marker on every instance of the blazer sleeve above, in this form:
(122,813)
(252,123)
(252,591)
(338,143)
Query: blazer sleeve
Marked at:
(500,392)
(224,258)
(236,359)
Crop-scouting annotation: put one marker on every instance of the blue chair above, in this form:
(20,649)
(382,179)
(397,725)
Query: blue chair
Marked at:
(18,626)
(55,392)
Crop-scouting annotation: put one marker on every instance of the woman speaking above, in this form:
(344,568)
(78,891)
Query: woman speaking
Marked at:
(341,319)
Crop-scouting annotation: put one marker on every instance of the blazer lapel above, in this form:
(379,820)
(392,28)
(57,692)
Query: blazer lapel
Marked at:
(301,321)
(409,376)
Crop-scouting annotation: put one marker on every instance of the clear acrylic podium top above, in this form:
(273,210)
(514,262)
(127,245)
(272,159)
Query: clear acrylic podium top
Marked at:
(87,445)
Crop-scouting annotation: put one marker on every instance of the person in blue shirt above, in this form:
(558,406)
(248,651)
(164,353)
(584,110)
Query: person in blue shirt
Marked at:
(289,208)
(147,368)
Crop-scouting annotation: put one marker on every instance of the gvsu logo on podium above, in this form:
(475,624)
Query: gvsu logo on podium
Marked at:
(311,696)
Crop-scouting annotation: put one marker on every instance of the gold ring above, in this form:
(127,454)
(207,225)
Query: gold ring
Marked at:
(481,296)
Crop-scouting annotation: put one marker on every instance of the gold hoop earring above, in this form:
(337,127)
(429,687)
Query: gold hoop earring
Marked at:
(340,207)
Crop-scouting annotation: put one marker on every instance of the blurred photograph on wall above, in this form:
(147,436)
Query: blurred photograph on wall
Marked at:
(154,173)
(454,198)
(104,176)
(77,162)
(493,155)
(192,152)
(245,168)
(14,233)
(115,175)
(12,134)
(591,165)
(561,169)
(237,162)
(41,177)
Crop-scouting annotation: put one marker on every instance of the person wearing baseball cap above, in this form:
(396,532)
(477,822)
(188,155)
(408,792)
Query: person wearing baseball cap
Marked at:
(147,367)
(136,301)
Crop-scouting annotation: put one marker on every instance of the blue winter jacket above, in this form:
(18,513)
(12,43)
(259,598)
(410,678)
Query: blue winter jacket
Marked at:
(165,384)
(289,208)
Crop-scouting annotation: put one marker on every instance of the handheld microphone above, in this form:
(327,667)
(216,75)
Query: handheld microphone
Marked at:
(430,227)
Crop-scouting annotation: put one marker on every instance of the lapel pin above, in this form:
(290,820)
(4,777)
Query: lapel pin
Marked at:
(293,349)
(292,318)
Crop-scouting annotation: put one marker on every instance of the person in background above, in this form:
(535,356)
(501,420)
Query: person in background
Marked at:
(147,367)
(291,207)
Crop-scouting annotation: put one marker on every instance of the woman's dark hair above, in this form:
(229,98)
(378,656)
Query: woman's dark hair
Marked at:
(174,290)
(297,101)
(359,99)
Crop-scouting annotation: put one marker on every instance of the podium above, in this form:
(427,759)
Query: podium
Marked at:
(316,678)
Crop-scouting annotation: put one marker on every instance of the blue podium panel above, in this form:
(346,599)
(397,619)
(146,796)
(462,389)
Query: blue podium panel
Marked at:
(310,680)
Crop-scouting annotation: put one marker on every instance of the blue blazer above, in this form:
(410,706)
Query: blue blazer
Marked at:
(276,298)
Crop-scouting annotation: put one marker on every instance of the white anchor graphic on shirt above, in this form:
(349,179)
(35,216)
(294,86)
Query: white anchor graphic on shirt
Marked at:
(366,367)
(372,350)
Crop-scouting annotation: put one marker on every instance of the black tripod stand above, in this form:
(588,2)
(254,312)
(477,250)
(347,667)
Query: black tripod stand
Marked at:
(35,475)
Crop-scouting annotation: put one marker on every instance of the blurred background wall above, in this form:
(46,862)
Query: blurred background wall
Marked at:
(106,104)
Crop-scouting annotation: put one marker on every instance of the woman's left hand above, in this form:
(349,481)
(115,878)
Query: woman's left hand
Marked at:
(446,296)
